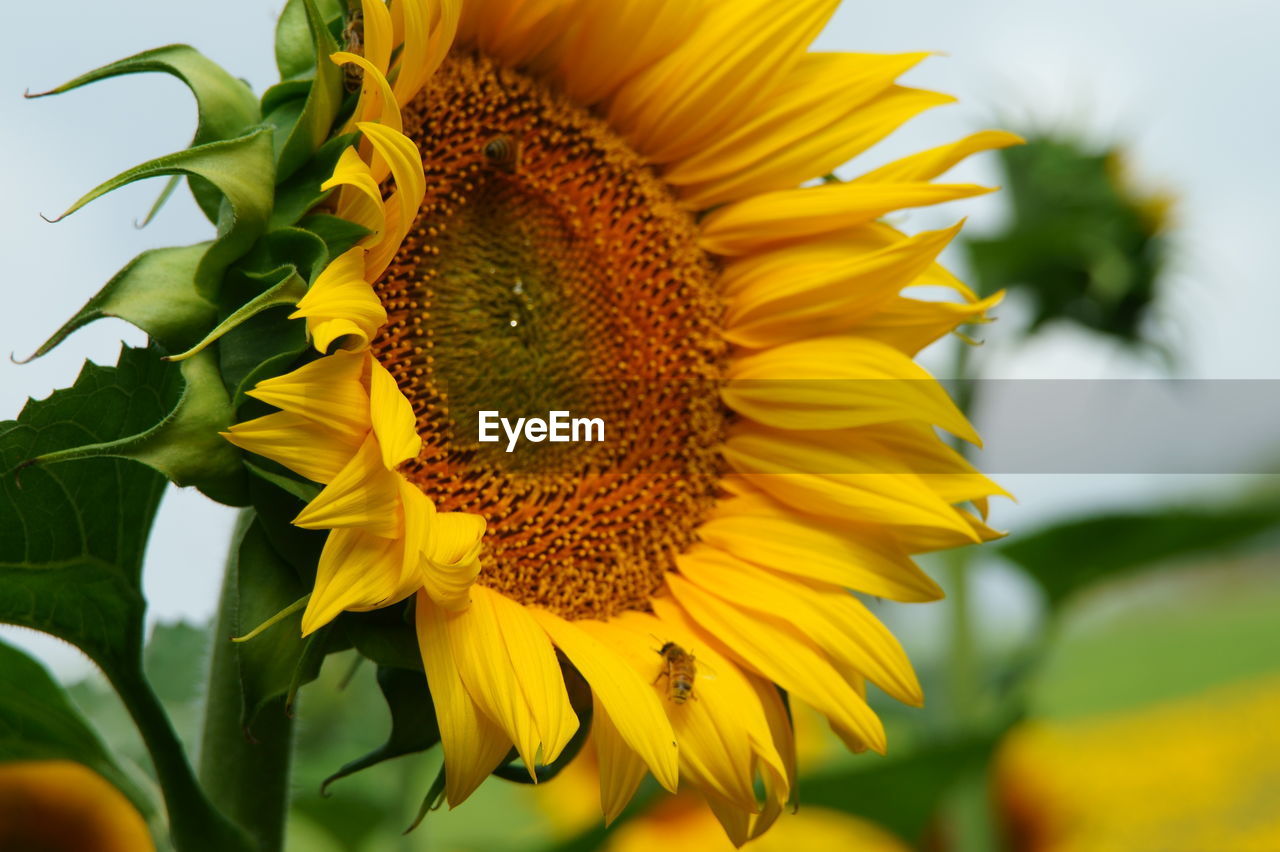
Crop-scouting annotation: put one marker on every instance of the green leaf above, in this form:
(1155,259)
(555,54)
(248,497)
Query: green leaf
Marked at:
(184,444)
(268,663)
(225,106)
(72,542)
(901,794)
(1066,558)
(39,722)
(296,140)
(156,292)
(71,551)
(413,721)
(241,169)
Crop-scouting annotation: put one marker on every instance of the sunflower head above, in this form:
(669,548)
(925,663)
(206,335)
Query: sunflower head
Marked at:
(455,215)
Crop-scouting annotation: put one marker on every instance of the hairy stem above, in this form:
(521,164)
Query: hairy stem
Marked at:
(194,824)
(246,773)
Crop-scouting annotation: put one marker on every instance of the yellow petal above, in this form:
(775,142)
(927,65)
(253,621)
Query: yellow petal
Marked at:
(621,769)
(328,391)
(833,477)
(400,210)
(341,293)
(910,325)
(820,288)
(839,382)
(632,36)
(927,165)
(822,89)
(538,672)
(377,103)
(789,215)
(856,557)
(788,161)
(487,669)
(302,445)
(420,531)
(917,448)
(364,494)
(778,653)
(517,33)
(721,729)
(454,559)
(831,619)
(360,200)
(356,571)
(473,746)
(631,703)
(392,417)
(377,35)
(722,72)
(429,29)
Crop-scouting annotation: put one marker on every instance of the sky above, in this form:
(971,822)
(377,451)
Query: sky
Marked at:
(1188,86)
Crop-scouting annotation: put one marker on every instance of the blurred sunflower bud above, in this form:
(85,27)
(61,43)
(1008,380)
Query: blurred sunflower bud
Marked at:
(63,806)
(1083,243)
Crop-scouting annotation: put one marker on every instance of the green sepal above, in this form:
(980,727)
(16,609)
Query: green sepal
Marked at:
(295,44)
(337,233)
(241,169)
(413,721)
(156,292)
(183,444)
(287,290)
(514,770)
(225,106)
(39,722)
(296,140)
(386,636)
(273,661)
(301,192)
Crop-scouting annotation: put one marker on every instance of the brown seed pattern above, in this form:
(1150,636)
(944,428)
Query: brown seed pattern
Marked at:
(549,269)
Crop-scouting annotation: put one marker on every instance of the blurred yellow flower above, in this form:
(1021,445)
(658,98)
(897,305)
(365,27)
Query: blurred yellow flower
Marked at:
(1201,773)
(63,806)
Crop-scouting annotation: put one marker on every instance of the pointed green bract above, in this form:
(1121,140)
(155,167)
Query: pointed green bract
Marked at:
(242,171)
(157,293)
(297,138)
(225,106)
(413,722)
(286,291)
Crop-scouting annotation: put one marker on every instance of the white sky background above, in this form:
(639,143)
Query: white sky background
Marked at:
(1189,84)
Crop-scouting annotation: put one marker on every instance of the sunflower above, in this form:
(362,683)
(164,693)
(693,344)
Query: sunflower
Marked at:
(611,208)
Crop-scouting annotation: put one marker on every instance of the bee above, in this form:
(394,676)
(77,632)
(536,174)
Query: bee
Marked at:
(680,670)
(503,153)
(353,39)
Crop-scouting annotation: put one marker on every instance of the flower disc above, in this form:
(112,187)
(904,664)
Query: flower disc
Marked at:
(549,269)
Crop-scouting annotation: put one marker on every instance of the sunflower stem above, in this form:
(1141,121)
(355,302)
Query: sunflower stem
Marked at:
(194,824)
(246,774)
(963,662)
